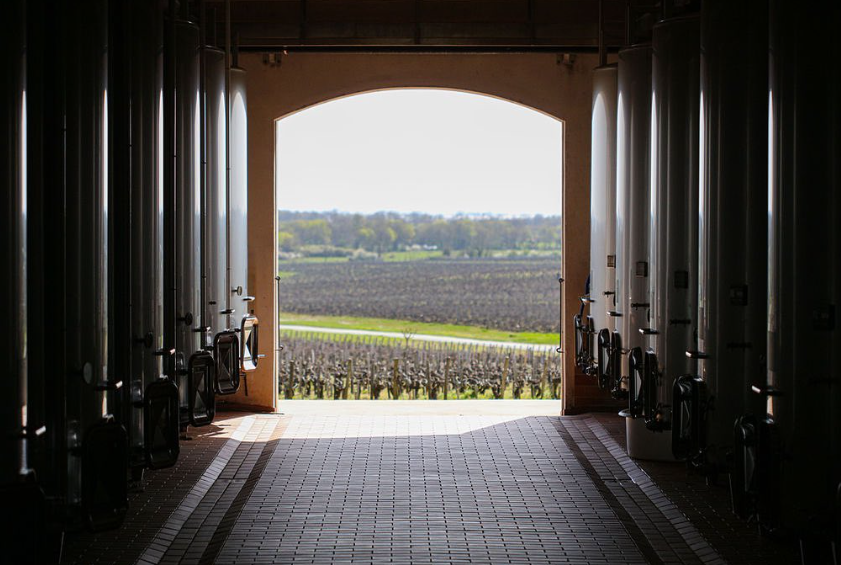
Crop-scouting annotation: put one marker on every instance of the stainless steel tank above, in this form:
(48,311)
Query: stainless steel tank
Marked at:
(632,193)
(603,197)
(95,442)
(147,248)
(673,248)
(633,186)
(733,216)
(216,191)
(240,299)
(188,264)
(13,199)
(803,391)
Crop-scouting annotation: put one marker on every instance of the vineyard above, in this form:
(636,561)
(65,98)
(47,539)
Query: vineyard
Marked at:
(347,367)
(506,294)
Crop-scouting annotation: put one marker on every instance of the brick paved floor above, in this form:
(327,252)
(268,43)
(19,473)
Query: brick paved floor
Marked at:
(421,489)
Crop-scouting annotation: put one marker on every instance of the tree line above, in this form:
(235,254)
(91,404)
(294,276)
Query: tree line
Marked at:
(390,231)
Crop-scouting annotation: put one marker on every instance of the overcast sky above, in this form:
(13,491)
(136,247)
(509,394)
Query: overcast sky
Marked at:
(433,151)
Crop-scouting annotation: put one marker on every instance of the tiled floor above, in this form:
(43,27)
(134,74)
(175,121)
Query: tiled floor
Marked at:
(390,488)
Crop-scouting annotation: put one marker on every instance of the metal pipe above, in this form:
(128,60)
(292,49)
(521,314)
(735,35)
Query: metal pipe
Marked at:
(602,52)
(628,14)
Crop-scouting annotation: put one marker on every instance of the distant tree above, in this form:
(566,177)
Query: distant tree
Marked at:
(314,232)
(286,241)
(385,238)
(464,232)
(384,231)
(404,231)
(365,238)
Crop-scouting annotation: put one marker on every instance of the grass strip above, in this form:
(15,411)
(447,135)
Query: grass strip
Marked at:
(409,327)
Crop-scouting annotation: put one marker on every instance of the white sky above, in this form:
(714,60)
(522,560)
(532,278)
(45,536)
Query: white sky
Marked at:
(420,150)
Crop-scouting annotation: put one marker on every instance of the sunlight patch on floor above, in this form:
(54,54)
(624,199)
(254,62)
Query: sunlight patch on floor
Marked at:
(403,418)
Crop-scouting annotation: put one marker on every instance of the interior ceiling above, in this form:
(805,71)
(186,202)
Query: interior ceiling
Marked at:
(563,25)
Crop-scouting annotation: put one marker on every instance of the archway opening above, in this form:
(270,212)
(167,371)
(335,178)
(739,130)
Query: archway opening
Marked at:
(419,238)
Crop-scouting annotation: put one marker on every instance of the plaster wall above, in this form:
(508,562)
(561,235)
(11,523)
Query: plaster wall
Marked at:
(298,80)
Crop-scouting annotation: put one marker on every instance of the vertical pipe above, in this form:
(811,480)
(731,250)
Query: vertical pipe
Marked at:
(628,23)
(602,49)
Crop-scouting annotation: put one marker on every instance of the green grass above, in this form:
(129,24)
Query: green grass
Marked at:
(398,256)
(286,274)
(353,338)
(314,260)
(401,326)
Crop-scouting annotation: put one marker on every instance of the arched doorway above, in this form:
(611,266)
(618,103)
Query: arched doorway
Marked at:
(548,83)
(427,213)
